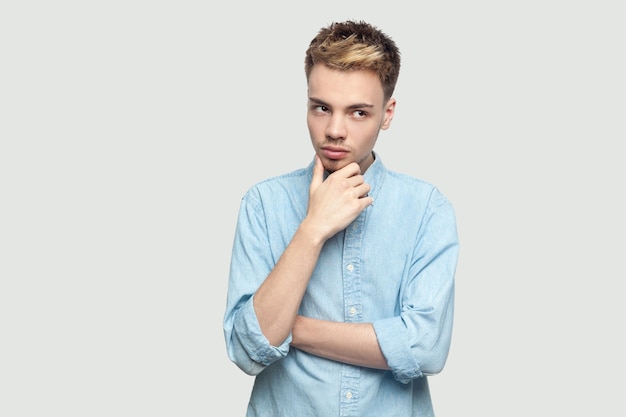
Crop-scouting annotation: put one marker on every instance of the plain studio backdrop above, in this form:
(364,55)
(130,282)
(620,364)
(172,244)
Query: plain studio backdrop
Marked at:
(130,130)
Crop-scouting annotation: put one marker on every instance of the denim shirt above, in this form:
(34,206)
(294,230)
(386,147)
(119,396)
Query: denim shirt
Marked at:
(393,266)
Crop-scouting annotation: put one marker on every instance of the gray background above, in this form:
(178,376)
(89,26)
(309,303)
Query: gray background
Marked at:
(131,129)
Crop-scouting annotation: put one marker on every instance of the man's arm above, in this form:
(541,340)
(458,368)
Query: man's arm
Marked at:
(277,300)
(353,343)
(333,204)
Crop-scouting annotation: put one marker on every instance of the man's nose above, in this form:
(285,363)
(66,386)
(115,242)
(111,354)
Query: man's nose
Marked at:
(336,128)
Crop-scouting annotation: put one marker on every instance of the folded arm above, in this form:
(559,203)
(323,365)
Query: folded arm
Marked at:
(352,343)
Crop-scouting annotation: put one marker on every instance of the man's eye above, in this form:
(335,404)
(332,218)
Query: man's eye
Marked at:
(359,114)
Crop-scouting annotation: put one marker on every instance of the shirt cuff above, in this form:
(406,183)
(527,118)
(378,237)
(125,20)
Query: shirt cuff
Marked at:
(396,349)
(255,343)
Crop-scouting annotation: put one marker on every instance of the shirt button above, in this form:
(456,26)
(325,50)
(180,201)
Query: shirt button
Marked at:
(348,395)
(350,267)
(352,310)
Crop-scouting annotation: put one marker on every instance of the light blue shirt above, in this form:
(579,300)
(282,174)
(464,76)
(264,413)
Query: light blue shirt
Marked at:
(393,266)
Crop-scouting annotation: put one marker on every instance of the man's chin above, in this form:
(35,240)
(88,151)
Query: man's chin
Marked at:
(332,165)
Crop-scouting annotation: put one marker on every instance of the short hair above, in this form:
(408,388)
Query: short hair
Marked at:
(352,46)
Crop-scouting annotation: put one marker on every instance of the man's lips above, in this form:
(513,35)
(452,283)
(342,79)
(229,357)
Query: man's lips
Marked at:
(334,153)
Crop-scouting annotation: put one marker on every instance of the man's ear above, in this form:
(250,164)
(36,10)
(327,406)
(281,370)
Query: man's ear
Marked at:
(390,110)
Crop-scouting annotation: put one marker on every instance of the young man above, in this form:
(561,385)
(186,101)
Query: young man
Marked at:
(341,285)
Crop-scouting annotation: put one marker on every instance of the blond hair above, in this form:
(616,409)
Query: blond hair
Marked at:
(353,46)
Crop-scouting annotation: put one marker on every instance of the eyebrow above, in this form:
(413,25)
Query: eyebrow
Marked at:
(352,106)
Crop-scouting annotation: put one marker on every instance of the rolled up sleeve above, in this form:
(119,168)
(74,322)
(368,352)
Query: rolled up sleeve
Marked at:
(251,262)
(417,342)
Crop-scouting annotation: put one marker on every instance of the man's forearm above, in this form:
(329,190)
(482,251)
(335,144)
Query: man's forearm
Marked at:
(352,343)
(277,300)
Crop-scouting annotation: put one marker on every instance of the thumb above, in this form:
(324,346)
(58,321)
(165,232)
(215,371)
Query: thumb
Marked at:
(318,174)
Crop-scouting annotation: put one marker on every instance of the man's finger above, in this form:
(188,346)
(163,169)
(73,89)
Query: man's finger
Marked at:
(318,174)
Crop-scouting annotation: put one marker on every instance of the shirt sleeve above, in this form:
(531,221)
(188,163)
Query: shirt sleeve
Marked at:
(251,262)
(417,342)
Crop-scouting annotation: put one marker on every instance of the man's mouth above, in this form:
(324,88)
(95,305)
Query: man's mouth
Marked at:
(332,152)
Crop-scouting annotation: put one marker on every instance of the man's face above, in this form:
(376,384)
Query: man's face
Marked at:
(346,111)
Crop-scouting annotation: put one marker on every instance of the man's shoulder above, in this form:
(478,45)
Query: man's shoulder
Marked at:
(405,180)
(291,177)
(286,183)
(412,187)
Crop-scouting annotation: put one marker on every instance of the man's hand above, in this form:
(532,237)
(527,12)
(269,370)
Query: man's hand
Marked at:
(336,202)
